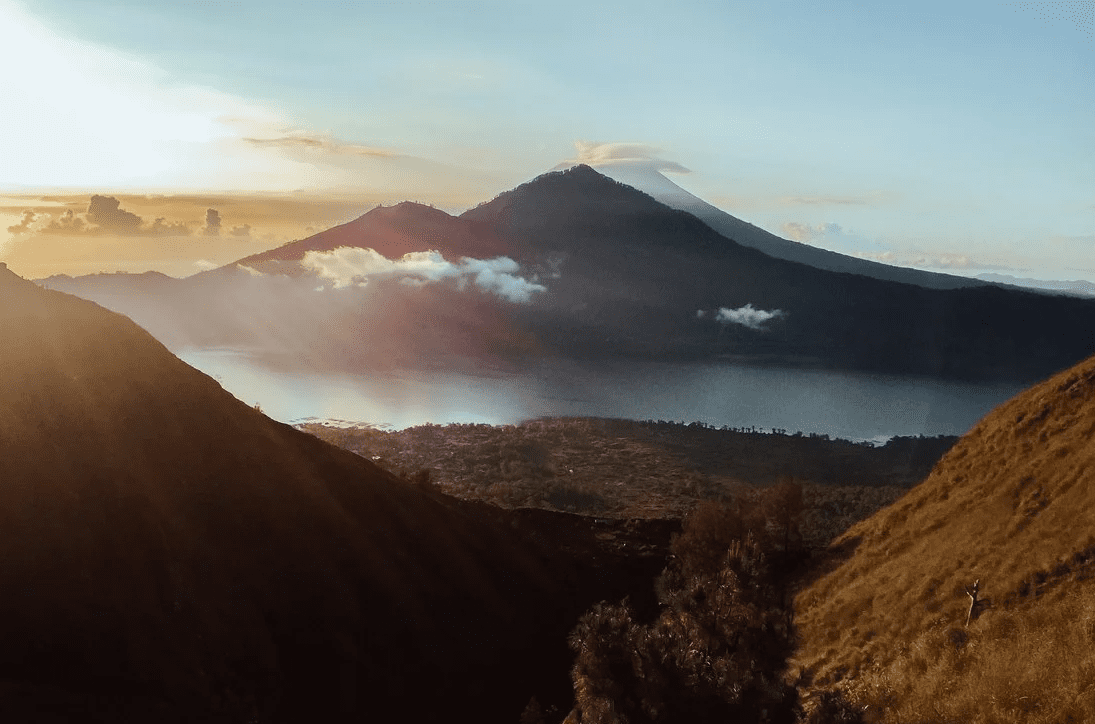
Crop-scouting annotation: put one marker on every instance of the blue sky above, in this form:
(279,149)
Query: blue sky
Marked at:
(957,138)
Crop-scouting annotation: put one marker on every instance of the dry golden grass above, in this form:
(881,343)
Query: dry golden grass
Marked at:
(1012,504)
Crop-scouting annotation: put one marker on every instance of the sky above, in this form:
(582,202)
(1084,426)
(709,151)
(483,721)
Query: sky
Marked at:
(138,134)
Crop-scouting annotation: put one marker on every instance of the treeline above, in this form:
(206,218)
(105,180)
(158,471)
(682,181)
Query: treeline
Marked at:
(652,469)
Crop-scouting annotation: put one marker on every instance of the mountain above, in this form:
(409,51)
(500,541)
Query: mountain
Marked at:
(171,554)
(631,275)
(392,231)
(1012,505)
(1077,287)
(576,264)
(746,234)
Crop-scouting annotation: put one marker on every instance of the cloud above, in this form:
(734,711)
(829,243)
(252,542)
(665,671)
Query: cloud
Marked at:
(106,213)
(66,223)
(24,224)
(946,261)
(347,266)
(104,217)
(205,265)
(595,153)
(499,276)
(160,227)
(836,238)
(212,223)
(747,316)
(317,143)
(354,266)
(806,233)
(831,236)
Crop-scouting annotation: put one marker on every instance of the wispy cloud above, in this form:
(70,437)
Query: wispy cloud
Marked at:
(596,153)
(946,261)
(832,236)
(317,143)
(807,233)
(353,266)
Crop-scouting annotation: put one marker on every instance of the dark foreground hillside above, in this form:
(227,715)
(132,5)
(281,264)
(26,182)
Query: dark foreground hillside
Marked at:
(1010,509)
(168,553)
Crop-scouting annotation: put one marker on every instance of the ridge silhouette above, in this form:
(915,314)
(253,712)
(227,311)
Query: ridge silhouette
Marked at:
(169,553)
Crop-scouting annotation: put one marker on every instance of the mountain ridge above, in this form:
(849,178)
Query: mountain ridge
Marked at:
(607,271)
(172,554)
(664,190)
(1011,506)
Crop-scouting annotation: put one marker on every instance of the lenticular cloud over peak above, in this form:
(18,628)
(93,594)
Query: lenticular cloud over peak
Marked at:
(355,266)
(595,153)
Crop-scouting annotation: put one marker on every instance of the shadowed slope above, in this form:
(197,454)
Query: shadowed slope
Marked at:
(167,551)
(1013,505)
(670,194)
(627,274)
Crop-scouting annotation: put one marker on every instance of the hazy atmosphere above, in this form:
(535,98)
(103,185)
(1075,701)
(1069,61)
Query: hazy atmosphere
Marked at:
(547,363)
(944,137)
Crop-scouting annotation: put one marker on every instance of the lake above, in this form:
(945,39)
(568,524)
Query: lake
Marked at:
(850,405)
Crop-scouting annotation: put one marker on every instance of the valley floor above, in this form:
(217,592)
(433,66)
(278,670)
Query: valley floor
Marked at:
(624,469)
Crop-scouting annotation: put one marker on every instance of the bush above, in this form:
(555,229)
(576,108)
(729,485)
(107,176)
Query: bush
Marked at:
(718,649)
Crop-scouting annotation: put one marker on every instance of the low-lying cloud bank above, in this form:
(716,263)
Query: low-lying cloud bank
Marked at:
(747,316)
(354,266)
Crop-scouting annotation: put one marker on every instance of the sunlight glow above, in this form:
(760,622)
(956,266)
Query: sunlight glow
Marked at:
(80,115)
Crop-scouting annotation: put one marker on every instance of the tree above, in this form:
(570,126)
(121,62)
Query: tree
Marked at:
(718,649)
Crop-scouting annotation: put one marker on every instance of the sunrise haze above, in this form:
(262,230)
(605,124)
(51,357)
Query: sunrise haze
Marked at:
(952,139)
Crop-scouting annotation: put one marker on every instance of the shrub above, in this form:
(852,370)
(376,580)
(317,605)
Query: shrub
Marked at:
(718,649)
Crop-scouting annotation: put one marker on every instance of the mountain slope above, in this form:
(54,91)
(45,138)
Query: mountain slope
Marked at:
(392,231)
(631,275)
(607,272)
(168,553)
(746,234)
(1011,505)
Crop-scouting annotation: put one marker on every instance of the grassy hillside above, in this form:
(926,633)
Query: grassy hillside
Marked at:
(1011,505)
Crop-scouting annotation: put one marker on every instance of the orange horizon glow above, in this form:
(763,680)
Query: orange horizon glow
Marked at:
(250,223)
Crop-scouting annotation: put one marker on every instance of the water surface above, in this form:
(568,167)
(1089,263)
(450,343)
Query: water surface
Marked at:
(851,405)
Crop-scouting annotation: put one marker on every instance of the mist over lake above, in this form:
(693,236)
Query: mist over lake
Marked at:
(857,406)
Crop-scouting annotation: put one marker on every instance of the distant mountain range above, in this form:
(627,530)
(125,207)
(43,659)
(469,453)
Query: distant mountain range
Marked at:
(1078,287)
(574,263)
